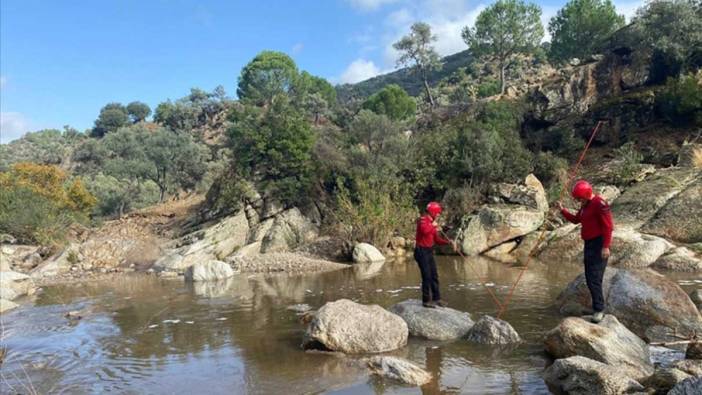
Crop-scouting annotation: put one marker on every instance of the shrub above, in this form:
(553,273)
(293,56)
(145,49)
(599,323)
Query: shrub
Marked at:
(373,211)
(489,88)
(680,102)
(630,160)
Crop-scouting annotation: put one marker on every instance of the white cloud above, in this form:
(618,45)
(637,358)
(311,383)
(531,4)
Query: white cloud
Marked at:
(297,48)
(13,125)
(369,5)
(359,70)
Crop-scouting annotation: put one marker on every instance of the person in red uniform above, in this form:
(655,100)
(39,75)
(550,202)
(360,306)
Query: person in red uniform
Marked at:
(427,236)
(597,226)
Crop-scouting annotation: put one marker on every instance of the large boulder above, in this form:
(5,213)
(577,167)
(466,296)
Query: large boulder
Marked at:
(691,386)
(696,297)
(14,284)
(366,253)
(681,217)
(679,259)
(490,330)
(642,300)
(434,324)
(630,249)
(212,243)
(289,230)
(609,342)
(693,367)
(209,271)
(496,224)
(639,203)
(57,264)
(583,376)
(399,369)
(664,379)
(6,305)
(531,194)
(354,328)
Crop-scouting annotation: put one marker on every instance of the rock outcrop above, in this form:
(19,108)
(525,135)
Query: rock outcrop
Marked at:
(642,300)
(490,330)
(399,369)
(691,386)
(354,328)
(583,376)
(366,253)
(434,324)
(609,342)
(680,219)
(208,271)
(679,259)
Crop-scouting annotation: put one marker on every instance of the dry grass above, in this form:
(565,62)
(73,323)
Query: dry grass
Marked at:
(697,158)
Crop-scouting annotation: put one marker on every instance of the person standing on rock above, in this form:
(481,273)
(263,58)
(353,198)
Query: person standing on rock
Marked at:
(428,235)
(597,226)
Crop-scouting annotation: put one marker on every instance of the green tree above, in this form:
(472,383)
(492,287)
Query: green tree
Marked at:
(138,111)
(417,52)
(673,28)
(580,28)
(392,101)
(273,147)
(269,74)
(373,131)
(112,117)
(503,30)
(308,84)
(680,102)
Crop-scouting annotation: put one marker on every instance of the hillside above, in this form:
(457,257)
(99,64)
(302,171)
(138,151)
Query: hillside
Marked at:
(405,78)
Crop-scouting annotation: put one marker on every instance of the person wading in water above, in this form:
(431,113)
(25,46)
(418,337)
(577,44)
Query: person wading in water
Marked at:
(597,226)
(428,235)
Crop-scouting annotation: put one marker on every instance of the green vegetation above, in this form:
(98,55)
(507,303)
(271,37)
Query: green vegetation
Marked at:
(392,101)
(581,27)
(39,202)
(680,102)
(138,111)
(503,30)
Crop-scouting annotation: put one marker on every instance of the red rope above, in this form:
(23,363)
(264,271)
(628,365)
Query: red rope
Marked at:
(503,306)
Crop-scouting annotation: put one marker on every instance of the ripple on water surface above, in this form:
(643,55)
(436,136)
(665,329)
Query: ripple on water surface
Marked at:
(148,335)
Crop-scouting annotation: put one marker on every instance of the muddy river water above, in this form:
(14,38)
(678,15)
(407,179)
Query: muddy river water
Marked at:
(143,334)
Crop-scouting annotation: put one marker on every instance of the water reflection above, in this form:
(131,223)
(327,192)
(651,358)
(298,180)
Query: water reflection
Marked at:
(143,334)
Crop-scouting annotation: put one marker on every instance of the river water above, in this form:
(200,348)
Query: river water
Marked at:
(142,334)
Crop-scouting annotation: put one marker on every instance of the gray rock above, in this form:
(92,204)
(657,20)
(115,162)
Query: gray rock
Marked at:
(640,299)
(366,253)
(496,224)
(399,369)
(531,194)
(639,203)
(14,284)
(583,376)
(289,230)
(6,305)
(208,271)
(57,264)
(434,324)
(634,250)
(696,297)
(664,379)
(680,219)
(609,192)
(691,386)
(694,350)
(693,367)
(354,328)
(489,330)
(679,259)
(609,342)
(502,252)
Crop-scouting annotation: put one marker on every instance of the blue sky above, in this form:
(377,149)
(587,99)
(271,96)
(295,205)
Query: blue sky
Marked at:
(61,61)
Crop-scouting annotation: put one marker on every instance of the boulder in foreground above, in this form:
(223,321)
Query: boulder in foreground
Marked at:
(435,324)
(354,328)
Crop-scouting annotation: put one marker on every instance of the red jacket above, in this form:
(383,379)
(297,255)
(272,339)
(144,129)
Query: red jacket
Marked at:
(596,220)
(427,234)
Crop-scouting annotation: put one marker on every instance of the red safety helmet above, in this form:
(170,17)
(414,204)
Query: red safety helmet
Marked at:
(582,190)
(434,209)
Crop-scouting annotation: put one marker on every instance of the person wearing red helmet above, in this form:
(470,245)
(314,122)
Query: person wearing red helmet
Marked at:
(597,227)
(426,237)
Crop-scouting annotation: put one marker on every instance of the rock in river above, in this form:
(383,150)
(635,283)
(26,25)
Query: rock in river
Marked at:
(642,300)
(209,271)
(399,369)
(583,376)
(489,330)
(435,324)
(354,328)
(609,342)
